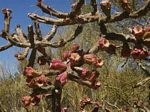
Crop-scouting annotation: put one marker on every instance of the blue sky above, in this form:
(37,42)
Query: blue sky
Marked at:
(20,10)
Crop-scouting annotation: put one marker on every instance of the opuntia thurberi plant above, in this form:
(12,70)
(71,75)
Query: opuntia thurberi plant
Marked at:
(72,66)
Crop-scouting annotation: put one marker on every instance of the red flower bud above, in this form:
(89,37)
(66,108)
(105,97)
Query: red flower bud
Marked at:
(93,76)
(26,100)
(57,64)
(62,78)
(30,72)
(138,32)
(75,47)
(66,55)
(84,72)
(103,43)
(139,53)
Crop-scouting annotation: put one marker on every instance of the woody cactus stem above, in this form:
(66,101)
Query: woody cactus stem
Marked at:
(56,97)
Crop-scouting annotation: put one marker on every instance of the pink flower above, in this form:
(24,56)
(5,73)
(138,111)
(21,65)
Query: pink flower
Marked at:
(99,63)
(103,43)
(74,58)
(37,81)
(139,53)
(75,47)
(62,78)
(57,64)
(92,59)
(26,100)
(66,55)
(138,32)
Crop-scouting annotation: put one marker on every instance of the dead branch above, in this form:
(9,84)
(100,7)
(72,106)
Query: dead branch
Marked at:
(51,34)
(5,47)
(48,10)
(37,31)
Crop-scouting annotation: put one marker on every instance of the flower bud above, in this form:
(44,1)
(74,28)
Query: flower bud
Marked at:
(139,53)
(93,76)
(57,64)
(29,71)
(66,55)
(26,100)
(84,72)
(62,78)
(74,58)
(75,47)
(40,81)
(138,32)
(103,43)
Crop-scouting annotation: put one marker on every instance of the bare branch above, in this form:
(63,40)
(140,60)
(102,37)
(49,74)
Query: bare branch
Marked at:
(20,34)
(23,55)
(31,35)
(32,58)
(83,19)
(48,10)
(51,34)
(76,8)
(7,18)
(141,12)
(62,42)
(2,48)
(94,5)
(15,43)
(37,31)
